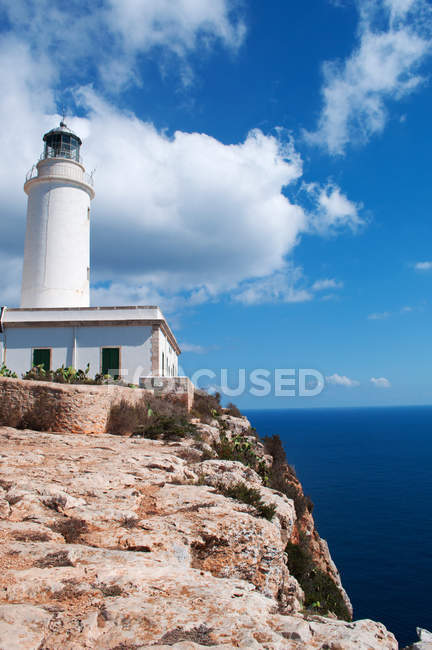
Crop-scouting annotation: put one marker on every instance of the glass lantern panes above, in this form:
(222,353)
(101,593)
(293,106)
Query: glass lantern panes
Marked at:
(62,145)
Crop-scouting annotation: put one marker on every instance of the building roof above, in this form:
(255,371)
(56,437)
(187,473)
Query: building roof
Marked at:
(63,128)
(88,316)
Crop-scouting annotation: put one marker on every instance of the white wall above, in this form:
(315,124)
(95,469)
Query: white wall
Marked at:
(134,341)
(170,357)
(1,349)
(57,244)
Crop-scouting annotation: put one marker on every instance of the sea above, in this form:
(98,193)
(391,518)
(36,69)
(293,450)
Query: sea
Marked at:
(369,474)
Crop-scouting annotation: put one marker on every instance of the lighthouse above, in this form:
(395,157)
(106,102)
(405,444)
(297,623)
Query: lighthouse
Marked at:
(56,270)
(55,325)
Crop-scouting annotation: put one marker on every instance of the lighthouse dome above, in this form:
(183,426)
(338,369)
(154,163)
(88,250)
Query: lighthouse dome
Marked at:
(61,142)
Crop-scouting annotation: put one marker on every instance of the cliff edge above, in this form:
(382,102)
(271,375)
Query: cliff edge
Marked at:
(123,543)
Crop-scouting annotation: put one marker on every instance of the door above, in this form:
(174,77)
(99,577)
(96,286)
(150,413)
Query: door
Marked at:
(111,362)
(42,357)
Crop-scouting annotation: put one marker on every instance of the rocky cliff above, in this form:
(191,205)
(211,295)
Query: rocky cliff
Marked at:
(123,543)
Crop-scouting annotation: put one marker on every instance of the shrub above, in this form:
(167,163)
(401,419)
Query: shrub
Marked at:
(59,558)
(321,593)
(283,477)
(151,417)
(56,502)
(302,502)
(200,635)
(71,529)
(241,449)
(129,522)
(125,417)
(273,446)
(66,375)
(5,372)
(241,492)
(232,409)
(193,454)
(166,427)
(206,407)
(111,590)
(31,536)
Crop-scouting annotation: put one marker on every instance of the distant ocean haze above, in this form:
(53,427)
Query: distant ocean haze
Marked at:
(368,472)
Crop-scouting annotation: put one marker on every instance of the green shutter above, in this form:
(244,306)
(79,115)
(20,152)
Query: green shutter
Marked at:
(42,358)
(111,361)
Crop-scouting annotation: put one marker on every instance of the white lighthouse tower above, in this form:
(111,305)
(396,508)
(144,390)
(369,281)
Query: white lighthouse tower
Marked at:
(55,325)
(56,271)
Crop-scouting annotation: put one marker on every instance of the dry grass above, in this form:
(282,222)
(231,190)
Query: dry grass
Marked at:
(206,407)
(199,635)
(71,529)
(60,558)
(152,417)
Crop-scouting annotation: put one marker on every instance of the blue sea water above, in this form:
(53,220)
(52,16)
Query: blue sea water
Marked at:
(368,472)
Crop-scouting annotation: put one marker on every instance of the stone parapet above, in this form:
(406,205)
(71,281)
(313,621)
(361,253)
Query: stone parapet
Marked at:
(180,388)
(75,408)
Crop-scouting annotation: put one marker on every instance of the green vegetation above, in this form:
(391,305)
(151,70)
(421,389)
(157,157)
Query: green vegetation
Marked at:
(250,496)
(166,427)
(240,448)
(5,372)
(322,596)
(64,375)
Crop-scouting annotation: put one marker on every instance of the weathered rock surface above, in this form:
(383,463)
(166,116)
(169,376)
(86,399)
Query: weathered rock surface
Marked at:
(115,543)
(424,642)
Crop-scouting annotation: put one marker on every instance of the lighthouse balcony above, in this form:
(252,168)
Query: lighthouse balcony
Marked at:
(62,168)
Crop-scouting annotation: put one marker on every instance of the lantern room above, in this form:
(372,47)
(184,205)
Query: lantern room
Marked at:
(62,143)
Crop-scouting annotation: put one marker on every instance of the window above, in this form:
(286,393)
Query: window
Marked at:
(42,357)
(163,365)
(62,145)
(111,362)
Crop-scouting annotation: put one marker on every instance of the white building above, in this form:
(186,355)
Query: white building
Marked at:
(55,324)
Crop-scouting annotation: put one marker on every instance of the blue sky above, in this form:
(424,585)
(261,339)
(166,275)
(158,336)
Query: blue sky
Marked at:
(262,173)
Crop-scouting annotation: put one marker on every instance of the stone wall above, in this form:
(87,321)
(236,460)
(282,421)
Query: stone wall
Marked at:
(79,408)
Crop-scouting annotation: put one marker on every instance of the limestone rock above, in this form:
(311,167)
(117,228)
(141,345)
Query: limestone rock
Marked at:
(22,627)
(228,473)
(116,543)
(424,642)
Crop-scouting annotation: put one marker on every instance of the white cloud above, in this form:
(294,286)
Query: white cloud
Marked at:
(288,286)
(192,347)
(281,286)
(379,315)
(107,37)
(380,382)
(394,39)
(342,380)
(324,285)
(178,25)
(329,296)
(383,315)
(187,211)
(423,266)
(332,210)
